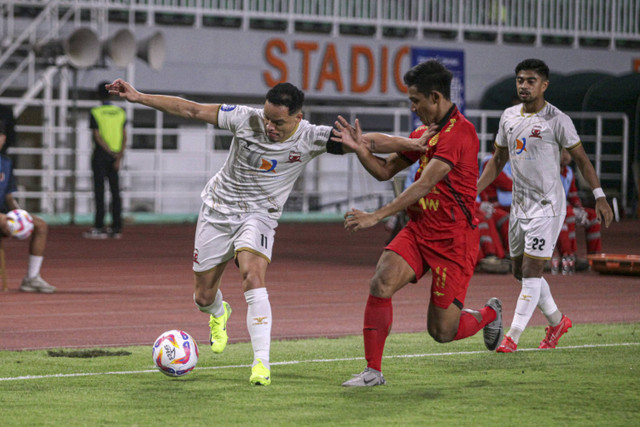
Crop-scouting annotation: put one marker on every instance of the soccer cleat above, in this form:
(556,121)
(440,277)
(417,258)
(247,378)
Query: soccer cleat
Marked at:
(36,284)
(494,331)
(367,378)
(555,332)
(218,325)
(260,375)
(508,345)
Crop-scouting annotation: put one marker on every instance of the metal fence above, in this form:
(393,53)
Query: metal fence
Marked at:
(168,162)
(609,20)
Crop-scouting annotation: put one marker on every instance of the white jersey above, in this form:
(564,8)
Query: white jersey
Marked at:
(534,142)
(259,174)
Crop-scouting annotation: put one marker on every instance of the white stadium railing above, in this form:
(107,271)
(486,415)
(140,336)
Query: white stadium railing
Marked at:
(53,166)
(608,20)
(53,162)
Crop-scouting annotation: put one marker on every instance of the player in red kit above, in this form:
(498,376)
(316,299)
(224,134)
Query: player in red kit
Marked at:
(441,235)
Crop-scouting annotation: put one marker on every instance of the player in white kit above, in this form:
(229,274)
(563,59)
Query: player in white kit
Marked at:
(531,135)
(244,200)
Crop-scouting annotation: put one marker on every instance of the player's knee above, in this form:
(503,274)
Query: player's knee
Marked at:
(441,335)
(380,288)
(252,280)
(40,227)
(201,300)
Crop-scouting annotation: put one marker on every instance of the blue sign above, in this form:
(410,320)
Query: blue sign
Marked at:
(454,61)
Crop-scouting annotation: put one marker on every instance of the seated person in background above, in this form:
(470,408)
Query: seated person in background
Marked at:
(492,209)
(32,282)
(491,254)
(577,214)
(498,193)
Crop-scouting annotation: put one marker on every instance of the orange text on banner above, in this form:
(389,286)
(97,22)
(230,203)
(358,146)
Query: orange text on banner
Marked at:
(364,66)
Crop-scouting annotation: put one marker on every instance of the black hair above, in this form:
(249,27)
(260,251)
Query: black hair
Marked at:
(429,76)
(3,129)
(536,65)
(287,95)
(103,93)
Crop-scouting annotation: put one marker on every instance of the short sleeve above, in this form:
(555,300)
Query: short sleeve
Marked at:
(93,124)
(501,136)
(565,132)
(451,146)
(230,117)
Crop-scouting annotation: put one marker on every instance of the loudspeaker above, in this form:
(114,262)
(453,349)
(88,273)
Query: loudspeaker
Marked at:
(152,50)
(121,48)
(82,48)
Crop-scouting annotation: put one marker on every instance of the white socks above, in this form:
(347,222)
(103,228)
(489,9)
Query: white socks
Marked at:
(259,323)
(258,320)
(548,305)
(527,303)
(35,262)
(216,309)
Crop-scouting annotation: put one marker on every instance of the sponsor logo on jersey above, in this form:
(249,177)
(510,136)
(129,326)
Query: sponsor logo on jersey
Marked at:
(535,132)
(225,107)
(294,156)
(195,256)
(268,165)
(521,145)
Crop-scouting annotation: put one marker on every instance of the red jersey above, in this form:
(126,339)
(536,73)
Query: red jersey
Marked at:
(449,208)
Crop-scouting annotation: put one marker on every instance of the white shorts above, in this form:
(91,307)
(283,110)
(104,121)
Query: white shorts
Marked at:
(535,237)
(220,237)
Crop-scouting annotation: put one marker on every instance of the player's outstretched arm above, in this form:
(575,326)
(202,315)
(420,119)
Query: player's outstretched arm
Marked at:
(603,210)
(493,168)
(353,138)
(169,104)
(435,171)
(383,143)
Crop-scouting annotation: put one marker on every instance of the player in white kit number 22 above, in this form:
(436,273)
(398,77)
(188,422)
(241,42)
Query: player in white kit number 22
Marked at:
(531,135)
(244,200)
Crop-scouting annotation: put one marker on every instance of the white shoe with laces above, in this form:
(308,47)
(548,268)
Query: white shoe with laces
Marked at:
(36,284)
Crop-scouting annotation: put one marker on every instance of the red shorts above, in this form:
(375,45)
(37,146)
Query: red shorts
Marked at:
(451,261)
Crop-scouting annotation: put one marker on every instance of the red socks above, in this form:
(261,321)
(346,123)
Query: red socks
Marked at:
(378,316)
(469,326)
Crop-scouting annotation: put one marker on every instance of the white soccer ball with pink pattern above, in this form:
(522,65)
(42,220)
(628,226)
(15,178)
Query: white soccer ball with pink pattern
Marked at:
(20,224)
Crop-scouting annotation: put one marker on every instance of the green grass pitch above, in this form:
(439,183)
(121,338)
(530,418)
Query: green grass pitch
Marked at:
(592,378)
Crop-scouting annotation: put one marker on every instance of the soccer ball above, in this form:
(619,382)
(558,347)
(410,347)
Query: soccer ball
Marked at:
(175,353)
(20,223)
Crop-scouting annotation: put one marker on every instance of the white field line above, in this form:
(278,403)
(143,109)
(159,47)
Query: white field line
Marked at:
(296,362)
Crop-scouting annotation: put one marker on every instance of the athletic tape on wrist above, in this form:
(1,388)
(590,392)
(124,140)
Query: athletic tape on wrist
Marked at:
(597,193)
